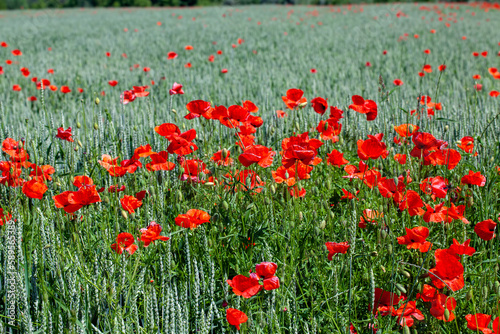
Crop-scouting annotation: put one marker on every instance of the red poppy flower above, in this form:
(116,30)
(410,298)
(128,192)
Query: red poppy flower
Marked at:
(176,89)
(335,248)
(25,71)
(294,98)
(259,154)
(384,301)
(124,241)
(222,157)
(372,148)
(146,69)
(224,70)
(336,158)
(407,312)
(235,317)
(127,96)
(406,130)
(397,82)
(72,201)
(400,158)
(197,108)
(4,45)
(435,186)
(245,180)
(479,322)
(34,189)
(411,200)
(462,249)
(140,91)
(448,272)
(151,234)
(159,162)
(369,216)
(16,88)
(368,176)
(485,229)
(245,286)
(53,88)
(484,54)
(299,148)
(17,52)
(113,83)
(494,93)
(363,106)
(288,175)
(427,68)
(329,129)
(171,55)
(319,105)
(130,203)
(368,64)
(42,173)
(65,90)
(474,178)
(427,51)
(192,219)
(4,216)
(445,157)
(467,144)
(441,68)
(80,90)
(64,134)
(415,239)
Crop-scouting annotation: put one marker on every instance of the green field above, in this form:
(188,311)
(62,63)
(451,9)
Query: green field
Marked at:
(60,272)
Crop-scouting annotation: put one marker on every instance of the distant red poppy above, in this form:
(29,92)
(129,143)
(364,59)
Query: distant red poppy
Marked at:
(224,70)
(485,229)
(335,248)
(313,70)
(176,89)
(494,93)
(113,83)
(16,88)
(188,65)
(427,51)
(188,47)
(475,54)
(152,233)
(65,89)
(25,71)
(108,54)
(397,82)
(235,317)
(17,52)
(80,90)
(484,54)
(368,64)
(127,96)
(140,91)
(146,69)
(4,45)
(363,106)
(65,134)
(427,68)
(50,71)
(192,219)
(171,55)
(442,68)
(32,98)
(281,114)
(124,241)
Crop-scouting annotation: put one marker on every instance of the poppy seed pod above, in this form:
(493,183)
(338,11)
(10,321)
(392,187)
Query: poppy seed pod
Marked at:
(301,216)
(96,127)
(273,189)
(75,148)
(400,287)
(447,314)
(97,101)
(406,330)
(469,295)
(225,153)
(124,214)
(80,144)
(225,205)
(322,225)
(78,125)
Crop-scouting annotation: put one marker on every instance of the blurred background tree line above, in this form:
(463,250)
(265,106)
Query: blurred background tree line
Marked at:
(40,4)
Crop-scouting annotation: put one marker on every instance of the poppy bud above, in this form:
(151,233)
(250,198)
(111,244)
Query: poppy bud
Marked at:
(492,159)
(400,287)
(174,111)
(341,140)
(80,144)
(287,175)
(58,184)
(135,128)
(78,125)
(45,296)
(303,104)
(485,292)
(415,331)
(97,101)
(178,195)
(405,273)
(332,214)
(297,126)
(225,153)
(382,268)
(124,214)
(374,254)
(249,206)
(469,295)
(446,128)
(406,330)
(225,205)
(370,129)
(96,127)
(470,201)
(273,189)
(497,285)
(383,233)
(389,249)
(447,314)
(75,148)
(301,215)
(183,126)
(325,126)
(178,207)
(322,225)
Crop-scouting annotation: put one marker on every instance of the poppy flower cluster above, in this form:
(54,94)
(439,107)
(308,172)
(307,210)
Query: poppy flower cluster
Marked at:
(250,286)
(126,242)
